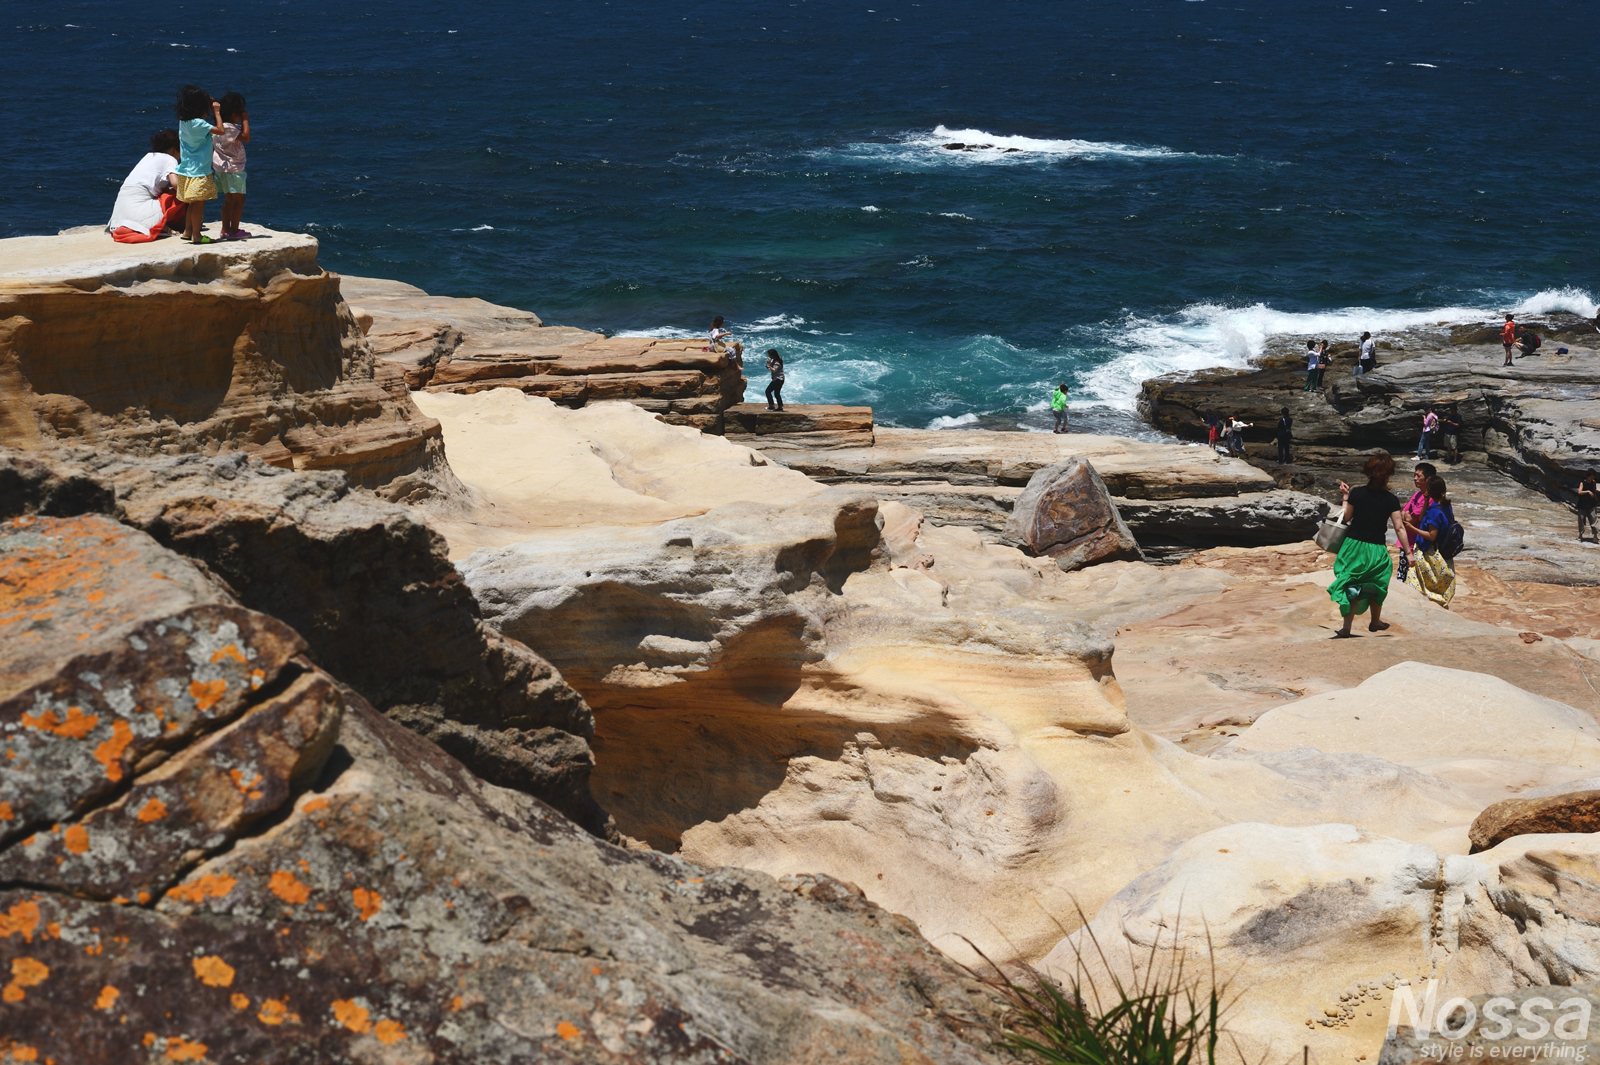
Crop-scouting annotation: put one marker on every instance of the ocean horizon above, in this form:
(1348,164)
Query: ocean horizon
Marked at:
(1142,188)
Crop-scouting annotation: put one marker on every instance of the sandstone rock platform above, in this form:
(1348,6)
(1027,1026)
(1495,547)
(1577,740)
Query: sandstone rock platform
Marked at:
(167,348)
(463,346)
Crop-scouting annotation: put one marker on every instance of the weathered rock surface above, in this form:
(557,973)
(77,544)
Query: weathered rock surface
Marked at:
(533,464)
(1315,927)
(268,360)
(1251,519)
(1066,514)
(467,345)
(367,584)
(388,908)
(811,426)
(1538,420)
(1573,811)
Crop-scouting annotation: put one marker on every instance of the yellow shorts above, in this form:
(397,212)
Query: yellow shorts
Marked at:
(196,189)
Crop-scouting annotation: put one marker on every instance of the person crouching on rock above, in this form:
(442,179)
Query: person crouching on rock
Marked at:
(199,118)
(1285,435)
(1236,430)
(1362,568)
(720,343)
(1058,407)
(775,387)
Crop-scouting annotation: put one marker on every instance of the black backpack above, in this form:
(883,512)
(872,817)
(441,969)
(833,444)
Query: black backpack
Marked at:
(1452,539)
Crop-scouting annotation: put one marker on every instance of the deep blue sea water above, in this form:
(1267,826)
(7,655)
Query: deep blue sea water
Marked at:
(1194,175)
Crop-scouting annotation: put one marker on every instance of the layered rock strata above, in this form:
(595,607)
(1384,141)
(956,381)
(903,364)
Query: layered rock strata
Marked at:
(164,348)
(1173,498)
(811,426)
(465,346)
(211,850)
(1538,420)
(365,582)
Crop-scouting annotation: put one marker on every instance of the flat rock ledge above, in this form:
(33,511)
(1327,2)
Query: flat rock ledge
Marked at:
(165,348)
(444,344)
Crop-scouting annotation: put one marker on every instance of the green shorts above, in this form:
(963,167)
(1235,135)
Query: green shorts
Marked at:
(229,184)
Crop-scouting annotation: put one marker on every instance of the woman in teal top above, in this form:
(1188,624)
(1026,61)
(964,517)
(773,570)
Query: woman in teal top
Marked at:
(195,183)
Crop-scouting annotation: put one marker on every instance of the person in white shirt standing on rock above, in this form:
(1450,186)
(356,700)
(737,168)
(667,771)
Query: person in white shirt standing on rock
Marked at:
(1368,360)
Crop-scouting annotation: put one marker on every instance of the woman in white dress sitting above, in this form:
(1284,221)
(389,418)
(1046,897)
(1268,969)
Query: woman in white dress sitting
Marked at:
(139,214)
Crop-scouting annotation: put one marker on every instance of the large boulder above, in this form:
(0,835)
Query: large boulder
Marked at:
(268,359)
(1066,513)
(367,584)
(1573,811)
(212,850)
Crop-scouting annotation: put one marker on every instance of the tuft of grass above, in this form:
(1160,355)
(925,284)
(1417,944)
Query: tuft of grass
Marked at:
(1162,1016)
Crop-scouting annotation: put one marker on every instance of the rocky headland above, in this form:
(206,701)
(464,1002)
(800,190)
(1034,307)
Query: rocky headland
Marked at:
(443,686)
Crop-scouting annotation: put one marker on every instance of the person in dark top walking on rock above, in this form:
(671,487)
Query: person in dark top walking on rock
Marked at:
(1588,498)
(775,388)
(1362,568)
(1285,435)
(1450,426)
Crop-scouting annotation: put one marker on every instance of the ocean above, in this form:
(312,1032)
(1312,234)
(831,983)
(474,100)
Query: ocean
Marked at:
(1147,186)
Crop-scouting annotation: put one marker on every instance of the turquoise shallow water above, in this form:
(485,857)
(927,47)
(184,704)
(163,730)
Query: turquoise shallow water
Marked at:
(1190,176)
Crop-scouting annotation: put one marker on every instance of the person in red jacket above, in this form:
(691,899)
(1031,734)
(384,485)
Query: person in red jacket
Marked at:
(1508,337)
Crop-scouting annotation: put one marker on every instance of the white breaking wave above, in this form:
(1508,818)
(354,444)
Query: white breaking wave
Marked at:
(945,421)
(1551,300)
(871,209)
(927,147)
(1207,335)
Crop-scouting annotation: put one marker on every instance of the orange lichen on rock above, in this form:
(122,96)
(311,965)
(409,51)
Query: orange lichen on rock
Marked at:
(75,726)
(275,1011)
(284,885)
(213,971)
(389,1032)
(109,753)
(154,810)
(240,1002)
(319,803)
(180,1049)
(108,998)
(22,1052)
(457,1004)
(351,1015)
(25,972)
(207,693)
(230,651)
(76,840)
(22,919)
(5,809)
(368,902)
(212,886)
(567,1030)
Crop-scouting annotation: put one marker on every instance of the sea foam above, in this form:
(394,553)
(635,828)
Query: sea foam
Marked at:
(927,148)
(1206,335)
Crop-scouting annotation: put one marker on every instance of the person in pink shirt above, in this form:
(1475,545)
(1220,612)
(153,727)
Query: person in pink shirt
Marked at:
(1411,514)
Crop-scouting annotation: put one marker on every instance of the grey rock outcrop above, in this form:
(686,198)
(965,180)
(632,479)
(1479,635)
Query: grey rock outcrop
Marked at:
(367,584)
(1243,520)
(1066,513)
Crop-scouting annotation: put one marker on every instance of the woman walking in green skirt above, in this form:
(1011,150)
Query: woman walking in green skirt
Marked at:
(1362,568)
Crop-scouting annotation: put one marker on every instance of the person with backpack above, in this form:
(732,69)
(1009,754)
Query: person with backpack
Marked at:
(1439,539)
(1530,342)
